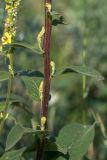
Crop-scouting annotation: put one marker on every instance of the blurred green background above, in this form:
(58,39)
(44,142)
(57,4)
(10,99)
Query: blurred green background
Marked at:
(86,32)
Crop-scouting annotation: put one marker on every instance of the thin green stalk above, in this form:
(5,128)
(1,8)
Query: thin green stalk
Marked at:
(10,66)
(84,78)
(9,33)
(9,87)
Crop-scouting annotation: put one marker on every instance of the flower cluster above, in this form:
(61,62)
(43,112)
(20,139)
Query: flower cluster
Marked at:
(10,22)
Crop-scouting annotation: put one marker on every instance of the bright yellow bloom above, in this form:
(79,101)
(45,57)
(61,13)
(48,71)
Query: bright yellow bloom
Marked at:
(8,20)
(7,7)
(6,39)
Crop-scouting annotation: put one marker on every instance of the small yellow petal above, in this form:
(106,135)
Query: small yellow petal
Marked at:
(7,7)
(6,39)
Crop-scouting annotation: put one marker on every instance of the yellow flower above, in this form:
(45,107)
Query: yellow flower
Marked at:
(8,20)
(6,39)
(7,7)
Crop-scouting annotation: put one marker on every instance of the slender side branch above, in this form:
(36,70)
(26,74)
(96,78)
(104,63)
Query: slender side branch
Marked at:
(10,66)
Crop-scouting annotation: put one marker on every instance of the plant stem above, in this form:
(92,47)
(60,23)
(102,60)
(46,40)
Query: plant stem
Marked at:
(40,152)
(46,48)
(9,83)
(9,88)
(47,76)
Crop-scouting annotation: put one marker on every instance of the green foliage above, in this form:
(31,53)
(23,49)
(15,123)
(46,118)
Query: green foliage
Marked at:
(4,76)
(17,133)
(22,74)
(14,136)
(32,87)
(84,70)
(2,106)
(11,155)
(50,146)
(24,45)
(76,138)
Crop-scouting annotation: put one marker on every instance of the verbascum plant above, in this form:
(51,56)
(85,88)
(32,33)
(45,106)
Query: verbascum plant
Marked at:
(74,139)
(10,21)
(9,33)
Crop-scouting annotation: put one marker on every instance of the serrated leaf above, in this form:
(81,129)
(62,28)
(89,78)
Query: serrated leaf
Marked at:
(84,70)
(76,138)
(32,87)
(25,45)
(13,155)
(4,75)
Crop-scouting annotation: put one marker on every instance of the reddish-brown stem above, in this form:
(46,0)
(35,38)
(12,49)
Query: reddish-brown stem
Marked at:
(40,153)
(46,48)
(46,86)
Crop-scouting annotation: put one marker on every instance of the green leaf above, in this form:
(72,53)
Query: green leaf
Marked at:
(25,45)
(53,147)
(17,101)
(32,87)
(2,107)
(30,73)
(84,70)
(13,155)
(76,138)
(4,75)
(16,134)
(49,147)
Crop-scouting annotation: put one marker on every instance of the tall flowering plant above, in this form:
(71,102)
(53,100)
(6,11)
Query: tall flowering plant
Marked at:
(74,139)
